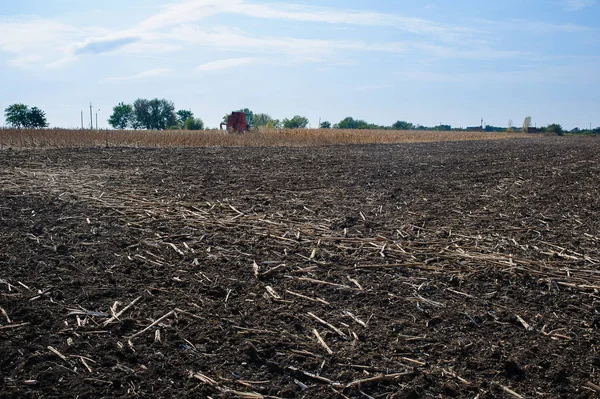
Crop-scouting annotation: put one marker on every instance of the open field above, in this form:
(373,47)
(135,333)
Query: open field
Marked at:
(62,138)
(424,270)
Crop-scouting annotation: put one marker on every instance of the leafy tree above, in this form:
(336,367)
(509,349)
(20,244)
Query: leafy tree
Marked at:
(325,125)
(16,115)
(36,118)
(402,125)
(555,128)
(193,124)
(264,120)
(182,116)
(20,115)
(351,123)
(297,122)
(122,116)
(154,114)
(274,124)
(526,124)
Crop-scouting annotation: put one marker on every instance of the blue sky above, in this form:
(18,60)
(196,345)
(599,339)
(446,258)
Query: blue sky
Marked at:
(427,62)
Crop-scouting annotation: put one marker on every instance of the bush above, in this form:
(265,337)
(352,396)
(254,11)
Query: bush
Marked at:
(555,128)
(193,124)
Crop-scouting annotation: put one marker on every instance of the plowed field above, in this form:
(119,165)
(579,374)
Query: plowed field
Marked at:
(467,270)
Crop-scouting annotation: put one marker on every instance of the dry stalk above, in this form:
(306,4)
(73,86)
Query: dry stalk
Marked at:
(7,327)
(381,377)
(5,315)
(331,326)
(322,342)
(152,325)
(117,315)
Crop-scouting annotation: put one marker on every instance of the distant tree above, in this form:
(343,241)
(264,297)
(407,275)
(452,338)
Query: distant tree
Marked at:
(193,124)
(555,128)
(20,115)
(182,116)
(402,125)
(274,124)
(443,128)
(16,115)
(154,114)
(526,124)
(325,125)
(122,116)
(36,118)
(264,120)
(297,122)
(351,123)
(509,126)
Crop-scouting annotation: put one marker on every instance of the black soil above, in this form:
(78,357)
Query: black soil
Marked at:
(455,270)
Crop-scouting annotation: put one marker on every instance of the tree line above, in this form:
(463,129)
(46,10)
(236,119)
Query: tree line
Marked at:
(161,114)
(155,114)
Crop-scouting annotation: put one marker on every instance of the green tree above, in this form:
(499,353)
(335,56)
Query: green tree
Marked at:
(16,115)
(154,114)
(20,115)
(193,124)
(402,125)
(264,120)
(555,128)
(122,116)
(183,115)
(274,124)
(351,123)
(297,122)
(325,125)
(36,118)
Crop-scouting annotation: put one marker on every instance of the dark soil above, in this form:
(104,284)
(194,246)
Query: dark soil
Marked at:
(455,270)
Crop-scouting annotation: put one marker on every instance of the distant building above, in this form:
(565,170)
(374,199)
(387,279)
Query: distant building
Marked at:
(533,130)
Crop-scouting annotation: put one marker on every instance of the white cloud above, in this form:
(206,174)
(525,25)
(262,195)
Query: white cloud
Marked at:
(175,30)
(146,74)
(224,64)
(576,5)
(38,42)
(195,10)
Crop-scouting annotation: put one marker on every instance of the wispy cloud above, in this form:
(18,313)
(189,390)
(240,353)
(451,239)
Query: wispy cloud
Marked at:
(39,42)
(192,11)
(146,74)
(530,26)
(576,5)
(223,64)
(176,28)
(105,46)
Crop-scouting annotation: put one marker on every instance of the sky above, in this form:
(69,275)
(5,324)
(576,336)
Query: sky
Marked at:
(426,62)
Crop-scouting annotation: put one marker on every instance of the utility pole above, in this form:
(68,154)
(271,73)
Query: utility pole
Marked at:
(82,120)
(91,118)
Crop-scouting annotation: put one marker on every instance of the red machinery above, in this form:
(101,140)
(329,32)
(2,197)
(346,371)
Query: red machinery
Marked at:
(238,122)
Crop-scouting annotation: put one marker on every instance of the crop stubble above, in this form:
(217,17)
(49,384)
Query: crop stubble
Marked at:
(414,270)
